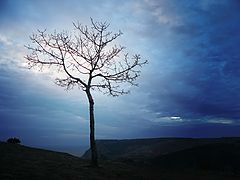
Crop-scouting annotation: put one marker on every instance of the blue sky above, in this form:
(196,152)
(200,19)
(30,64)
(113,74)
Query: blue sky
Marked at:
(190,88)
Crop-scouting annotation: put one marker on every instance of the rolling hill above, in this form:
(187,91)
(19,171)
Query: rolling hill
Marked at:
(221,156)
(150,148)
(128,160)
(19,162)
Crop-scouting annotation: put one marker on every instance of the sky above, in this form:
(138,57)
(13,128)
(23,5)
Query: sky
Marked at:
(190,88)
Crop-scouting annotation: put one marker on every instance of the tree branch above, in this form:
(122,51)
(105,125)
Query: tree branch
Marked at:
(87,58)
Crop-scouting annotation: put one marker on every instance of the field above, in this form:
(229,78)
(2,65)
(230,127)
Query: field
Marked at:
(22,163)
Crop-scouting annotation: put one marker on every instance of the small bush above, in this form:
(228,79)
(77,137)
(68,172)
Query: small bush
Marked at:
(14,140)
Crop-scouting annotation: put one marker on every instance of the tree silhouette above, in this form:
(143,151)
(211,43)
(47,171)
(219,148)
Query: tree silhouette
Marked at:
(13,140)
(88,59)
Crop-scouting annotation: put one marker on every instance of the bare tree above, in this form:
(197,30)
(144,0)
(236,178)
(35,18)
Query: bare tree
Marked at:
(88,59)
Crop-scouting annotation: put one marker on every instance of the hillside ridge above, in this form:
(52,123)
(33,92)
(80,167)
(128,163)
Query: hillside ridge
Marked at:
(18,162)
(150,147)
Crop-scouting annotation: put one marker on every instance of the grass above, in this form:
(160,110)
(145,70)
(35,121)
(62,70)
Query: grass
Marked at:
(23,163)
(19,162)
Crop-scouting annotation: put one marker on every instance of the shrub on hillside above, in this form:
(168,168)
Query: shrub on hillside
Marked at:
(14,140)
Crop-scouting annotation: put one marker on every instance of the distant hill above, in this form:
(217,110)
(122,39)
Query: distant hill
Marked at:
(218,154)
(150,148)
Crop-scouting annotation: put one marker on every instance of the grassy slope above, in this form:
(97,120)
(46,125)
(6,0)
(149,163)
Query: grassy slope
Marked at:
(20,162)
(23,163)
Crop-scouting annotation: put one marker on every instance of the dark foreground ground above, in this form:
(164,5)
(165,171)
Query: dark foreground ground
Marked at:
(18,162)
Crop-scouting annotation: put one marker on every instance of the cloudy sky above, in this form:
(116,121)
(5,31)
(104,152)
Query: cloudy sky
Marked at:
(190,88)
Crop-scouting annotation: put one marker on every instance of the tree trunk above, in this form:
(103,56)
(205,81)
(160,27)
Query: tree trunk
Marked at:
(94,157)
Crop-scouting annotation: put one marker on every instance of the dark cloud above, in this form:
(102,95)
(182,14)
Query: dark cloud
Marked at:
(193,74)
(200,130)
(203,81)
